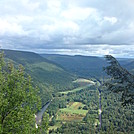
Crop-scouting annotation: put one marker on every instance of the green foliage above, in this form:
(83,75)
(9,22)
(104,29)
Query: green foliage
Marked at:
(74,111)
(53,122)
(52,79)
(44,124)
(121,81)
(44,72)
(74,128)
(76,89)
(115,117)
(55,105)
(19,100)
(83,66)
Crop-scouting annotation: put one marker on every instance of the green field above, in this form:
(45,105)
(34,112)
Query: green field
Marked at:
(73,112)
(84,83)
(75,90)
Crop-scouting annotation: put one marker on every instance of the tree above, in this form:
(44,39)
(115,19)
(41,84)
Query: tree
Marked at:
(52,123)
(18,100)
(121,80)
(44,124)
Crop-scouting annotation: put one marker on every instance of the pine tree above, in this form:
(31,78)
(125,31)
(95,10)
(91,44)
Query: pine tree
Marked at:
(121,80)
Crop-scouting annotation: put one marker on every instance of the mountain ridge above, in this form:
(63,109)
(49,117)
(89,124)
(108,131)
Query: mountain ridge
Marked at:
(84,66)
(48,76)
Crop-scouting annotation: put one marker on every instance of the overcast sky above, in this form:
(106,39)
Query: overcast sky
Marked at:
(85,27)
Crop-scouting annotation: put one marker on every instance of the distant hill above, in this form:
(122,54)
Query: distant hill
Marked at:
(41,69)
(127,63)
(130,66)
(85,66)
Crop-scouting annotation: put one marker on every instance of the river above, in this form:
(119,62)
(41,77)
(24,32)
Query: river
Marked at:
(40,113)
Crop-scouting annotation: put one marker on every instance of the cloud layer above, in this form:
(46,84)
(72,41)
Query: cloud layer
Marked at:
(86,27)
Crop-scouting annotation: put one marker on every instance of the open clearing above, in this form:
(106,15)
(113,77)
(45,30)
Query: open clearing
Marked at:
(84,83)
(81,80)
(75,105)
(70,117)
(76,89)
(73,112)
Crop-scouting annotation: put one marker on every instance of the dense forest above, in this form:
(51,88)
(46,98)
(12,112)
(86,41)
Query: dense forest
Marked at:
(47,75)
(115,117)
(73,94)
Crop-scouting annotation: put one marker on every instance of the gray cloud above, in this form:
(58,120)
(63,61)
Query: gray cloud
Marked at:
(86,27)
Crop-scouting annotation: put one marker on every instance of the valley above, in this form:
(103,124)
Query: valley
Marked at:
(69,81)
(66,67)
(83,84)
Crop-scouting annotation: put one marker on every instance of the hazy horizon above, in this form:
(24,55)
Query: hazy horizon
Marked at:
(78,27)
(101,56)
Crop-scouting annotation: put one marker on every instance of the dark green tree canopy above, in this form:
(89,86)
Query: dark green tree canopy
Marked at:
(18,100)
(121,81)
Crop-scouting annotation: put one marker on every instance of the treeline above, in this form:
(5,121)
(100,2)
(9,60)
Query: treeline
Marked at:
(72,128)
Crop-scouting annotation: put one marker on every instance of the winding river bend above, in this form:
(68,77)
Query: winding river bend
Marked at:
(40,113)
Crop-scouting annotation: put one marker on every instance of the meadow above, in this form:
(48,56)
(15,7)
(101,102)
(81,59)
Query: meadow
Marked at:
(73,112)
(83,84)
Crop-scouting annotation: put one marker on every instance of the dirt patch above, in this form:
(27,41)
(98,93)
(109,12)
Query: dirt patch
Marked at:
(71,117)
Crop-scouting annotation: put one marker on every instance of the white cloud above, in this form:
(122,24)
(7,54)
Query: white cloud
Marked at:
(77,13)
(7,28)
(60,24)
(65,27)
(30,5)
(97,50)
(54,3)
(112,20)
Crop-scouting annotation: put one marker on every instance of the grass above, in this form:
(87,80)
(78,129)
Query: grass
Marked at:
(84,83)
(73,112)
(57,125)
(75,105)
(70,117)
(75,90)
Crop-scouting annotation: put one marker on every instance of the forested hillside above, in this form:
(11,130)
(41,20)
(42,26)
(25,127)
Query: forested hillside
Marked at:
(85,66)
(74,106)
(67,111)
(130,66)
(48,76)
